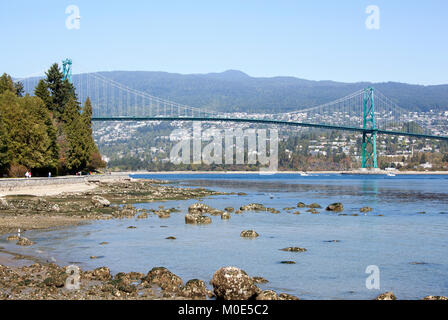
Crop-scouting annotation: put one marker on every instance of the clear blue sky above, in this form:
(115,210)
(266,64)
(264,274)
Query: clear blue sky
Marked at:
(319,40)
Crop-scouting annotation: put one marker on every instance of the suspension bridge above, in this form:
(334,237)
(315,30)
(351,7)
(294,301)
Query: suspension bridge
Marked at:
(366,111)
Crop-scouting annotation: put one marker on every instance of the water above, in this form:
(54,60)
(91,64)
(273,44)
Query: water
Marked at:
(328,270)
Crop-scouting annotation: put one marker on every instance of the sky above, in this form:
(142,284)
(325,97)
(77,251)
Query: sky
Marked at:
(316,40)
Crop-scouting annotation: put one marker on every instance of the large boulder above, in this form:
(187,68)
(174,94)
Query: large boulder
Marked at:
(336,207)
(231,283)
(197,219)
(165,279)
(100,202)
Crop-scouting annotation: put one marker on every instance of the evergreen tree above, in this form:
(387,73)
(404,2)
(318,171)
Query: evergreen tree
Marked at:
(6,84)
(5,154)
(77,149)
(61,90)
(42,92)
(20,90)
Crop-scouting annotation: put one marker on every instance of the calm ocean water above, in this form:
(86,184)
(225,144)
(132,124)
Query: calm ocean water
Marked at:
(410,248)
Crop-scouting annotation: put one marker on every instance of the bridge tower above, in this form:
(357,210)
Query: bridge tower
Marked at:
(67,69)
(369,156)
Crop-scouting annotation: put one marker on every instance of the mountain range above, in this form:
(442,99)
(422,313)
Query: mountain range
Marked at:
(235,91)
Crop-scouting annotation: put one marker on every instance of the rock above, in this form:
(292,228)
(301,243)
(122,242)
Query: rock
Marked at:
(301,205)
(231,283)
(287,262)
(253,207)
(365,209)
(171,238)
(143,215)
(249,234)
(104,243)
(294,249)
(200,208)
(194,289)
(259,280)
(267,295)
(435,298)
(238,212)
(163,214)
(288,208)
(164,278)
(99,202)
(314,206)
(56,279)
(132,227)
(229,209)
(296,212)
(102,274)
(93,257)
(4,205)
(122,282)
(13,238)
(313,211)
(386,296)
(285,296)
(336,207)
(55,207)
(197,219)
(225,215)
(24,242)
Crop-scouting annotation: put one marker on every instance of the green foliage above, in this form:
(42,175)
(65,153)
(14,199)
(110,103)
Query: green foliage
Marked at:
(6,84)
(60,91)
(45,132)
(5,153)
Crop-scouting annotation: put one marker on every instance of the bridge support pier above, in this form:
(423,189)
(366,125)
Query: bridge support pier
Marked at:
(369,156)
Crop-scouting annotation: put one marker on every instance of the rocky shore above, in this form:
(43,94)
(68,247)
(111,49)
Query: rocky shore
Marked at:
(104,200)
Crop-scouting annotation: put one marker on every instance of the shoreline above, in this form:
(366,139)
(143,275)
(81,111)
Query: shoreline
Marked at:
(356,172)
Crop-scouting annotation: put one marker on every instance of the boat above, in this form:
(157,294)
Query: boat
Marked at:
(391,174)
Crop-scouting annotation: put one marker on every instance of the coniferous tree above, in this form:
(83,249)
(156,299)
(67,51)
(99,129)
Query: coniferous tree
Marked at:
(5,154)
(42,92)
(6,84)
(61,90)
(77,149)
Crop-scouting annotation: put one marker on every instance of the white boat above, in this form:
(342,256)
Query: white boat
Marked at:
(304,174)
(391,174)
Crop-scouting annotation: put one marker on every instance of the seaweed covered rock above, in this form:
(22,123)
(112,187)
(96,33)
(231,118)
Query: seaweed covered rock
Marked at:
(336,207)
(164,278)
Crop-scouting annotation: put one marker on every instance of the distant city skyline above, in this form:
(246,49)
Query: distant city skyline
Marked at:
(322,40)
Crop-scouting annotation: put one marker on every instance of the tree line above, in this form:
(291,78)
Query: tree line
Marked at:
(46,132)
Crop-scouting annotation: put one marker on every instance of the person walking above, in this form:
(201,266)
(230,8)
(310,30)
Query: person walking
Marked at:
(49,174)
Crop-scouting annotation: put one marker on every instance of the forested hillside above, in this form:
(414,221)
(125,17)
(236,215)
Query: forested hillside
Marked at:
(236,91)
